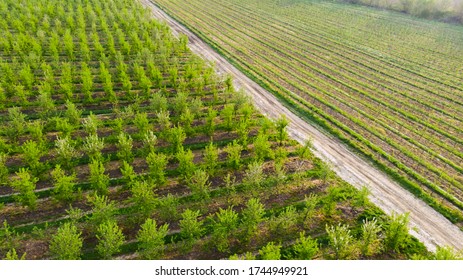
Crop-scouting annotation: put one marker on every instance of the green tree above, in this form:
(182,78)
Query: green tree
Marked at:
(262,147)
(64,185)
(210,121)
(66,244)
(280,125)
(144,198)
(65,152)
(72,113)
(252,216)
(16,124)
(396,232)
(254,175)
(342,242)
(110,239)
(447,253)
(233,151)
(305,247)
(176,137)
(157,165)
(25,185)
(371,242)
(211,157)
(103,209)
(227,114)
(142,123)
(223,226)
(186,166)
(151,239)
(199,184)
(11,255)
(87,81)
(270,252)
(3,168)
(191,228)
(93,146)
(98,179)
(149,142)
(128,173)
(167,207)
(124,145)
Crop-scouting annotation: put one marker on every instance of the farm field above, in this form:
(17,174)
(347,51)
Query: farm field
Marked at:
(388,85)
(117,142)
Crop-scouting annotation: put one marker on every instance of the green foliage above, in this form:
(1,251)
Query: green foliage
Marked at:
(93,146)
(285,222)
(262,147)
(210,121)
(16,124)
(270,252)
(11,255)
(63,185)
(128,173)
(211,156)
(191,228)
(167,207)
(90,124)
(97,178)
(3,168)
(371,241)
(24,184)
(234,154)
(396,232)
(176,136)
(341,242)
(447,253)
(72,113)
(199,185)
(151,239)
(103,209)
(110,239)
(280,125)
(66,244)
(124,145)
(144,198)
(65,152)
(254,175)
(223,226)
(305,247)
(252,216)
(227,114)
(186,166)
(142,123)
(157,165)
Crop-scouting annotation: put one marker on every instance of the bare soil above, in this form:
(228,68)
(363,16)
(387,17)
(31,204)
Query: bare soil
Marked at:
(426,224)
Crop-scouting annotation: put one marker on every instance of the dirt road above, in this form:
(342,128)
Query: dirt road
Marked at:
(431,228)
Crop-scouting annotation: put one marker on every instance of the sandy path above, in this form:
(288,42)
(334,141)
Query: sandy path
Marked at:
(431,228)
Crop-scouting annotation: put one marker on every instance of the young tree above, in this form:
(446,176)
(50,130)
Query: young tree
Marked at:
(103,209)
(341,242)
(186,119)
(191,228)
(90,124)
(227,114)
(262,147)
(124,145)
(210,121)
(176,137)
(305,248)
(142,123)
(226,223)
(98,179)
(254,175)
(66,244)
(199,185)
(167,207)
(270,252)
(17,123)
(110,239)
(25,185)
(280,126)
(285,222)
(234,154)
(144,198)
(252,216)
(397,232)
(370,237)
(186,166)
(87,82)
(158,102)
(72,113)
(157,165)
(128,173)
(149,142)
(447,253)
(11,255)
(151,239)
(65,152)
(64,185)
(93,146)
(211,157)
(163,118)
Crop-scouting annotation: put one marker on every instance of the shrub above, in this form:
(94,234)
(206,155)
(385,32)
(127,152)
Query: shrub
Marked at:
(110,239)
(305,248)
(25,185)
(151,239)
(64,185)
(66,244)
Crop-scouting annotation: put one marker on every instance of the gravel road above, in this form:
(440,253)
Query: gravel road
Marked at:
(426,224)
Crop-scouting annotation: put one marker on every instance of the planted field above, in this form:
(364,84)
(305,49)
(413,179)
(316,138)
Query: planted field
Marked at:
(388,85)
(117,142)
